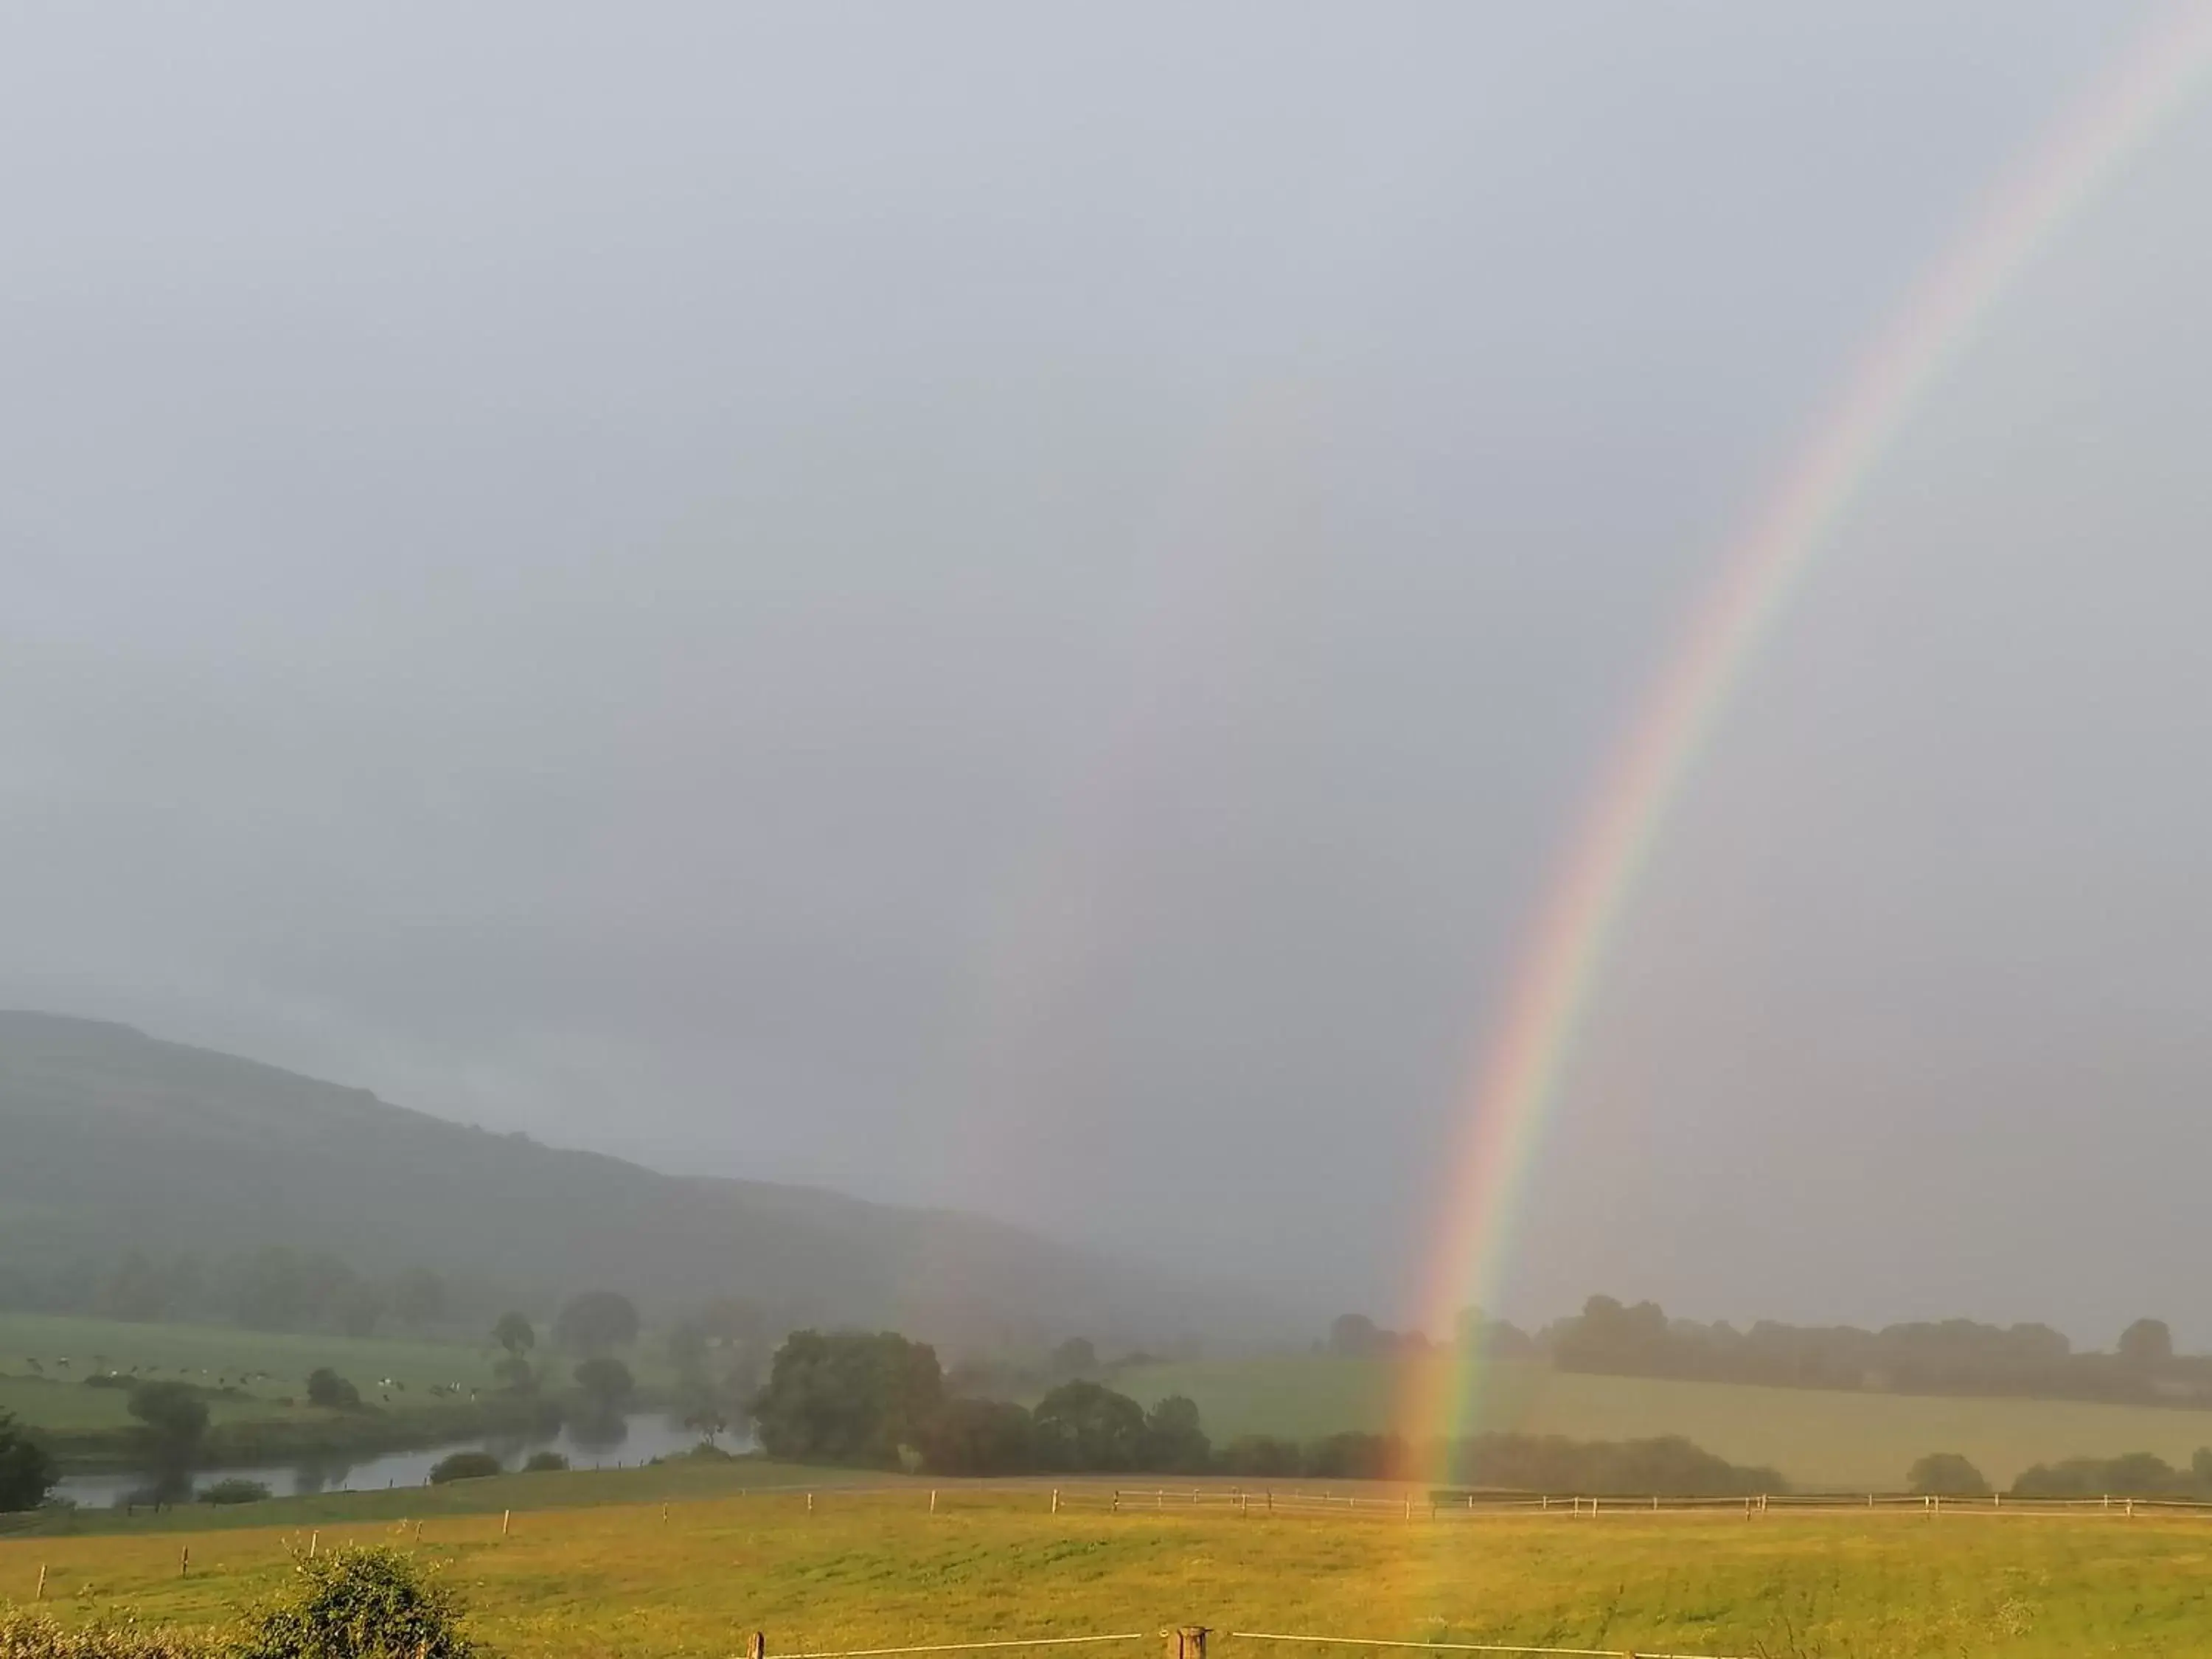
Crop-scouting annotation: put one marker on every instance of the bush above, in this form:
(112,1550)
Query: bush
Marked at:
(236,1490)
(359,1604)
(463,1466)
(544,1463)
(1946,1474)
(26,1472)
(327,1388)
(27,1634)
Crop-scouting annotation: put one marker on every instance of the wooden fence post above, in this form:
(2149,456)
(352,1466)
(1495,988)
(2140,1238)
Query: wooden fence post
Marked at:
(418,1532)
(809,1503)
(314,1545)
(1055,1500)
(40,1594)
(1187,1642)
(757,1647)
(933,1500)
(505,1521)
(184,1560)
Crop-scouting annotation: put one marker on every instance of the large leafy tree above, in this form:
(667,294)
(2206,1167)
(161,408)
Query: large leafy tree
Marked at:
(1087,1425)
(849,1397)
(26,1471)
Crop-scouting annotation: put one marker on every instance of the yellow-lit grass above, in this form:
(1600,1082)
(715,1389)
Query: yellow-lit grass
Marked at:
(867,1570)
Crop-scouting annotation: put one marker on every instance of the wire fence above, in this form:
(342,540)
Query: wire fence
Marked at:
(1191,1641)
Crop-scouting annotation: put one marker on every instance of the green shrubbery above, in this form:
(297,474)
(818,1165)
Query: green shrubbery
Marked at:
(27,1634)
(544,1463)
(368,1603)
(235,1490)
(346,1604)
(463,1466)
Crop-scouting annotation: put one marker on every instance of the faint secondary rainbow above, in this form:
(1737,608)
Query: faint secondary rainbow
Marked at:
(1512,1090)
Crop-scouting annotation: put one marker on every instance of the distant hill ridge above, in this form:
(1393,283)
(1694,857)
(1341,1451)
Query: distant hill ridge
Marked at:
(112,1139)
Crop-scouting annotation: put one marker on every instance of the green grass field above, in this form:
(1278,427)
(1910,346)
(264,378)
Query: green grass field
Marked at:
(1818,1438)
(91,1425)
(866,1569)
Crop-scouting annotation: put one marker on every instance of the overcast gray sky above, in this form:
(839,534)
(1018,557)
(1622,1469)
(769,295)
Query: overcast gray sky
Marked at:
(1005,606)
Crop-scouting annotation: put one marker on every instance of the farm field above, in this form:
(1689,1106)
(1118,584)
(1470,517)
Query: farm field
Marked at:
(45,1358)
(1817,1438)
(876,1569)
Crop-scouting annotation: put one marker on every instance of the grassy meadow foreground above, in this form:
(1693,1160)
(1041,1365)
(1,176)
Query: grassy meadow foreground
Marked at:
(1818,1438)
(876,1568)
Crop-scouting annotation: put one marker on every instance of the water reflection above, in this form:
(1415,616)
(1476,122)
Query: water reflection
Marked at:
(606,1442)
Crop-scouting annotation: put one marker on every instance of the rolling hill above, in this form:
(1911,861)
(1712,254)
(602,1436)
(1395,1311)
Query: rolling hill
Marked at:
(112,1139)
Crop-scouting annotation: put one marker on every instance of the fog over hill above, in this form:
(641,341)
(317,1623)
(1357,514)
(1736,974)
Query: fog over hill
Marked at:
(113,1139)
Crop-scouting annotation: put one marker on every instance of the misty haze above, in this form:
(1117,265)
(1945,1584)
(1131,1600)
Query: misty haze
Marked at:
(971,758)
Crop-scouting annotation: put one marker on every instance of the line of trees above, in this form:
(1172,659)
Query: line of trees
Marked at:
(1951,1356)
(881,1399)
(1938,1357)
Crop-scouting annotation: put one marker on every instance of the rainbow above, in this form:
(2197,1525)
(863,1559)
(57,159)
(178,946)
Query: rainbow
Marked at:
(1512,1090)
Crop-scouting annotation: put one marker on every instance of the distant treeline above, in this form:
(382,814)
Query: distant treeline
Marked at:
(1951,1356)
(1942,1357)
(881,1399)
(272,1289)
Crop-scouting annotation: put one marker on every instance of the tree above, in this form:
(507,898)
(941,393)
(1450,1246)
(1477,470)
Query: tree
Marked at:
(327,1388)
(27,1473)
(173,1414)
(516,1337)
(1174,1442)
(515,1333)
(1353,1335)
(2147,1345)
(1946,1474)
(980,1437)
(1086,1425)
(849,1397)
(607,1384)
(418,1297)
(595,1321)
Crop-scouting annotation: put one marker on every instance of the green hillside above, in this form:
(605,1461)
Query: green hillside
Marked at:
(1816,1438)
(110,1140)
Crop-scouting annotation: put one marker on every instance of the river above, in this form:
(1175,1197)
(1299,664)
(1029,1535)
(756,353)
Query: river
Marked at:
(638,1439)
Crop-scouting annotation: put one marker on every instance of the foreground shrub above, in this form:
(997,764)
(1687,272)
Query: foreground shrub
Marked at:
(372,1603)
(235,1490)
(463,1466)
(544,1463)
(26,1635)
